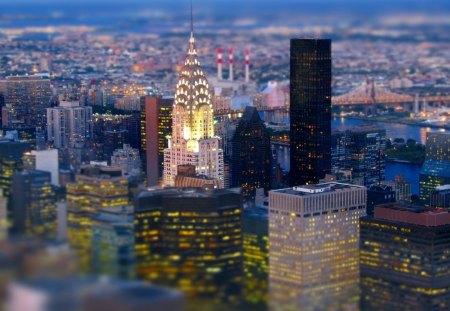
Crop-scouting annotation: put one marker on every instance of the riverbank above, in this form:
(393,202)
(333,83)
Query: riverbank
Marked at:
(398,120)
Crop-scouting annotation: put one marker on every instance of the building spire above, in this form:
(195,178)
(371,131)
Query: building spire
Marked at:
(192,22)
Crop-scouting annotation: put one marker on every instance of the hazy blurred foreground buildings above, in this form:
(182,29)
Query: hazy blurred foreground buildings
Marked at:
(314,246)
(191,240)
(404,258)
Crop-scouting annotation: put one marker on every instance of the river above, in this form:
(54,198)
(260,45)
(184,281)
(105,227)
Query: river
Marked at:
(393,130)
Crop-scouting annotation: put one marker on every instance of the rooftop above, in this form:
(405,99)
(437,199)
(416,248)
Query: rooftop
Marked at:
(317,188)
(412,214)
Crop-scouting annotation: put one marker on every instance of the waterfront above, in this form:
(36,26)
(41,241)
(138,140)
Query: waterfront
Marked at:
(393,130)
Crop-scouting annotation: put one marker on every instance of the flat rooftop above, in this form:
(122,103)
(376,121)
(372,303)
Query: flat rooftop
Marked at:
(412,214)
(317,188)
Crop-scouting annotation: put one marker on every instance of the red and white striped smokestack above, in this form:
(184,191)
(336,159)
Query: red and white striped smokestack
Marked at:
(219,63)
(230,63)
(247,65)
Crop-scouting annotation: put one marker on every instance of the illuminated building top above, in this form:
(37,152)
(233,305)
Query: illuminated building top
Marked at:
(193,110)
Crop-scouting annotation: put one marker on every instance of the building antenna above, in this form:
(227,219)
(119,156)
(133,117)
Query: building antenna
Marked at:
(192,20)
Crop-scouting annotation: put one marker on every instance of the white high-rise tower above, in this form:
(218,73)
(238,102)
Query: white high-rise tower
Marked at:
(193,141)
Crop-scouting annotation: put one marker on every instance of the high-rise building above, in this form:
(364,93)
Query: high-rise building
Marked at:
(193,141)
(379,194)
(114,139)
(26,98)
(404,258)
(128,160)
(69,125)
(11,152)
(33,205)
(3,216)
(440,197)
(190,240)
(436,168)
(362,152)
(314,246)
(251,165)
(256,257)
(310,110)
(156,126)
(113,242)
(95,188)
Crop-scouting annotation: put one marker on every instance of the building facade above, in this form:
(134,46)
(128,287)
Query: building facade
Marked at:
(435,171)
(251,165)
(156,126)
(193,141)
(310,110)
(26,98)
(69,125)
(404,258)
(191,240)
(314,246)
(363,153)
(95,188)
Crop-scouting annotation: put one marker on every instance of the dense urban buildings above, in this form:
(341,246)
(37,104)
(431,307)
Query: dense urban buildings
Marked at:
(310,110)
(129,161)
(314,246)
(252,159)
(193,141)
(362,152)
(69,125)
(191,240)
(26,98)
(436,169)
(404,258)
(95,188)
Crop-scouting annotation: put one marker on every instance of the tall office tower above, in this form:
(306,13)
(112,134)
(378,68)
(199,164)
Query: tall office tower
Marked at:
(362,152)
(251,165)
(379,194)
(113,242)
(132,124)
(314,246)
(436,168)
(26,98)
(440,197)
(256,257)
(193,141)
(11,152)
(128,160)
(310,110)
(404,258)
(33,205)
(95,188)
(190,240)
(69,125)
(156,126)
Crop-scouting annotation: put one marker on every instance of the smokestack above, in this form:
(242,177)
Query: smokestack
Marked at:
(247,65)
(219,64)
(230,63)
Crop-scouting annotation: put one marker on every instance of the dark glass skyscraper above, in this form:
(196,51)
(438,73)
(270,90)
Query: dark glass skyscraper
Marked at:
(310,110)
(251,158)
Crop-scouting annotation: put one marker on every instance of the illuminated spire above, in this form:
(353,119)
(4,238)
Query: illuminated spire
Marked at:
(193,98)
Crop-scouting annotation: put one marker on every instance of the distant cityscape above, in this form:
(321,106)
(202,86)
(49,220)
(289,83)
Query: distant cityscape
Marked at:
(191,158)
